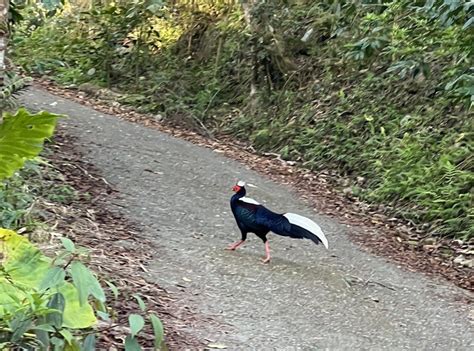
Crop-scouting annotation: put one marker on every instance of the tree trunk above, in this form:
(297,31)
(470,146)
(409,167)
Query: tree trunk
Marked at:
(247,7)
(4,5)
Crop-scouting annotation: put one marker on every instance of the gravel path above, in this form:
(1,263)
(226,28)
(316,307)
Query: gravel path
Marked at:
(306,299)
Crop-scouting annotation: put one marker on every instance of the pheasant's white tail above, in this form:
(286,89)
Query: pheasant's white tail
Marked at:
(308,225)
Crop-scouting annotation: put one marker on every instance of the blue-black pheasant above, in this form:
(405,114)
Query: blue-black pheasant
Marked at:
(252,217)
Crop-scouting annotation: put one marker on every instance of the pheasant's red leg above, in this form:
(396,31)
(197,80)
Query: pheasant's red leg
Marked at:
(235,245)
(267,252)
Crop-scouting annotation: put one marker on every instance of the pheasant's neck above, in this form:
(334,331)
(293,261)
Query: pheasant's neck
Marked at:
(238,195)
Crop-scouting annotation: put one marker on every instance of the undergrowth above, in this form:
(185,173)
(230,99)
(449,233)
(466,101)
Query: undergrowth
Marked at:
(380,91)
(19,196)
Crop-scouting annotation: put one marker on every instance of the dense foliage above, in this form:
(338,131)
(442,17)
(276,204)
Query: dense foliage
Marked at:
(39,307)
(379,91)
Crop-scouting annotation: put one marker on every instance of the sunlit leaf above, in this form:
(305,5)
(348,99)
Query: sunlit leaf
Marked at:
(21,138)
(27,267)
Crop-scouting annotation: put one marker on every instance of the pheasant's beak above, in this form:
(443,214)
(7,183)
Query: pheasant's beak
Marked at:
(236,188)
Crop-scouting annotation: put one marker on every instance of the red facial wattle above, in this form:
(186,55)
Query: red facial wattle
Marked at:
(236,188)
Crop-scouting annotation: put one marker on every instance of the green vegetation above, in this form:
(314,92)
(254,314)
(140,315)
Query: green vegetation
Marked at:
(21,138)
(378,90)
(39,308)
(18,195)
(46,303)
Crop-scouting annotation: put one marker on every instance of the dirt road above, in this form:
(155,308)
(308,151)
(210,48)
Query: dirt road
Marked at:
(308,298)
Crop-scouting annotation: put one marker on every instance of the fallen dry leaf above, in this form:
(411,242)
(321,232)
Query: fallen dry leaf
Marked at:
(217,346)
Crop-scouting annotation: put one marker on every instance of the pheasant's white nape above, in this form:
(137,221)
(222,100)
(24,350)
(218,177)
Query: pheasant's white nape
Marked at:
(241,183)
(249,200)
(251,185)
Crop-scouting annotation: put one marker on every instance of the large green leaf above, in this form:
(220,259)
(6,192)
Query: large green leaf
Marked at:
(24,269)
(21,138)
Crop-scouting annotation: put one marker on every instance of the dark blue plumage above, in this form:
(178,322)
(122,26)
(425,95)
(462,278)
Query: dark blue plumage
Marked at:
(251,217)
